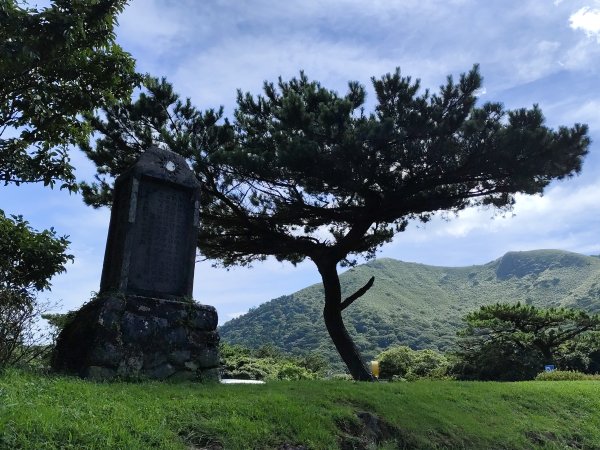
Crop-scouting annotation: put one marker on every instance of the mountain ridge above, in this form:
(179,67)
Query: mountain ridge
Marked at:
(419,305)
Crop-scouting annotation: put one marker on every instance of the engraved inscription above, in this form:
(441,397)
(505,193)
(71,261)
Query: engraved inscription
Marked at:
(133,201)
(159,258)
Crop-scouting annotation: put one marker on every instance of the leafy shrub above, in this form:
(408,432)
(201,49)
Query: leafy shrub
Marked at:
(248,368)
(314,362)
(582,354)
(265,363)
(341,377)
(59,321)
(29,259)
(566,375)
(293,372)
(395,361)
(404,363)
(429,363)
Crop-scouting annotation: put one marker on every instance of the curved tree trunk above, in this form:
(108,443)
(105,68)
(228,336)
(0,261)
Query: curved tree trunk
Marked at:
(332,313)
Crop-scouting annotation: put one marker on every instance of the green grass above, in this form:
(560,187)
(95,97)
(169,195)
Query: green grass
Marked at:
(38,412)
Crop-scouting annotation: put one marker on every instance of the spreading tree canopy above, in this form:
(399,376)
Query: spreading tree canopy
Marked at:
(55,64)
(304,172)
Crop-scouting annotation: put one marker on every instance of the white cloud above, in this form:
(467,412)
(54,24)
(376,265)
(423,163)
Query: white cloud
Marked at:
(210,49)
(586,19)
(536,60)
(586,112)
(149,22)
(150,30)
(212,77)
(581,56)
(562,219)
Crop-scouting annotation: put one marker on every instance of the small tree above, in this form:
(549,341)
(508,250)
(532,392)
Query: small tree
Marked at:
(505,341)
(404,362)
(29,260)
(55,64)
(303,172)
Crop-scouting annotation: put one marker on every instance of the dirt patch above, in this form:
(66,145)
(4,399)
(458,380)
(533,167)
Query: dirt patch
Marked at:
(543,438)
(199,441)
(369,431)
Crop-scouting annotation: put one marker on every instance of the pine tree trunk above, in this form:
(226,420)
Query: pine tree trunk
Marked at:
(332,313)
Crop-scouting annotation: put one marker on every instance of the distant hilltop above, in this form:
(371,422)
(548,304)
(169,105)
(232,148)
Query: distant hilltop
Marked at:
(419,305)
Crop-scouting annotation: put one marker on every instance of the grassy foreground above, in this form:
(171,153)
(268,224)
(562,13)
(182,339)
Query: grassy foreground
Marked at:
(38,412)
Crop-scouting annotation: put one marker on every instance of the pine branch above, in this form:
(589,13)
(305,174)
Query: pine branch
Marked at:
(347,302)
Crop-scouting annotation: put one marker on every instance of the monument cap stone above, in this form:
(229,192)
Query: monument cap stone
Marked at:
(152,238)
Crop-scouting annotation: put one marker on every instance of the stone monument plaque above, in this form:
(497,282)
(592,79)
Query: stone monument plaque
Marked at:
(152,236)
(144,322)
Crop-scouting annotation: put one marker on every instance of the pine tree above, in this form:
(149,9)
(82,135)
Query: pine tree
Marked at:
(303,172)
(514,341)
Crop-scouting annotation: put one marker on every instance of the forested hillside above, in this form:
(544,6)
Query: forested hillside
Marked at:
(419,305)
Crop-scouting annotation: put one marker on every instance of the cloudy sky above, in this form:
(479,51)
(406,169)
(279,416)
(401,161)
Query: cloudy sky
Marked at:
(530,51)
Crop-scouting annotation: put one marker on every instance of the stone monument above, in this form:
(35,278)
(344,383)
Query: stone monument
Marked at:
(144,322)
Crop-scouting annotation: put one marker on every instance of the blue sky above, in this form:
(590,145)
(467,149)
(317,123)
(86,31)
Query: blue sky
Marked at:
(530,51)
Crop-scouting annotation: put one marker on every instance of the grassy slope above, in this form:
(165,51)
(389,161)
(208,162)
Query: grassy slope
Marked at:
(418,305)
(51,413)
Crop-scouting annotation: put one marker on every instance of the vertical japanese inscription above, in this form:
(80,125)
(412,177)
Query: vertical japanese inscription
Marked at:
(160,252)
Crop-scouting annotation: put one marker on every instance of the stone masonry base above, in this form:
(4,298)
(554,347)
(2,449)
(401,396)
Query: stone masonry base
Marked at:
(131,337)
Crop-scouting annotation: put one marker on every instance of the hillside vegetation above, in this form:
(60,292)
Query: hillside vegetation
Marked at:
(419,305)
(41,412)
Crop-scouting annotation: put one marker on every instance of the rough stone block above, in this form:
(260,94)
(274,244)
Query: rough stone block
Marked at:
(138,341)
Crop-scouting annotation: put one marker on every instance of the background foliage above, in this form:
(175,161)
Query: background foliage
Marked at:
(268,363)
(56,64)
(417,305)
(513,342)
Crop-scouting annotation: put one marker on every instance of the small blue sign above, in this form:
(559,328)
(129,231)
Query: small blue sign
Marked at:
(549,368)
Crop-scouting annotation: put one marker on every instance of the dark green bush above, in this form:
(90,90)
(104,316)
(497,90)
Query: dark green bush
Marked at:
(512,342)
(499,360)
(405,363)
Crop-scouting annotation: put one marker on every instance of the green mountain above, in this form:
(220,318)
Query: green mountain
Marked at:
(419,305)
